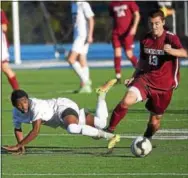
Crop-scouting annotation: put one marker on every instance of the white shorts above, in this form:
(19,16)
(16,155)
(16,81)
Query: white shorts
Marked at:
(64,103)
(80,46)
(4,48)
(137,92)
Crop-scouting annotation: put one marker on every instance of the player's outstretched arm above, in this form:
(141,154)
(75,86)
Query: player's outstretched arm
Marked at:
(31,136)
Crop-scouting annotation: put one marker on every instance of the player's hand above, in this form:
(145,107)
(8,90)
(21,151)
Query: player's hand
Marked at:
(167,48)
(14,148)
(132,31)
(21,150)
(127,82)
(90,39)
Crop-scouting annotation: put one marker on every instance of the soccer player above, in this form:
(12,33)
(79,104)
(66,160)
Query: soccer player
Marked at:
(60,112)
(83,18)
(126,18)
(157,75)
(5,54)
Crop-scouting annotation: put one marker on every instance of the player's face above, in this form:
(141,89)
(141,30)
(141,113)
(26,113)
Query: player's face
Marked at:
(22,104)
(156,24)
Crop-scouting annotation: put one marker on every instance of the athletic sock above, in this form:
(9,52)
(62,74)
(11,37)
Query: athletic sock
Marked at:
(86,72)
(134,61)
(104,134)
(150,131)
(78,69)
(117,65)
(14,83)
(100,119)
(118,114)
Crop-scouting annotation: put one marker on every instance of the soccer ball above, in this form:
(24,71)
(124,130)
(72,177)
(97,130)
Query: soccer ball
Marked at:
(141,146)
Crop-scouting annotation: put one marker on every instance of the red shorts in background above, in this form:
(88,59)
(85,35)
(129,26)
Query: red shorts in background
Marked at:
(125,41)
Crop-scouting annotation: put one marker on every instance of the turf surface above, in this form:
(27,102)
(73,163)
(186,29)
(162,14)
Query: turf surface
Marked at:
(57,154)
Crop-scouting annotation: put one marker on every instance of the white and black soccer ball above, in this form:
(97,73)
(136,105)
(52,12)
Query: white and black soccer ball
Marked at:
(141,146)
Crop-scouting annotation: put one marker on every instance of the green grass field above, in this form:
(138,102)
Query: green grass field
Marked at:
(57,154)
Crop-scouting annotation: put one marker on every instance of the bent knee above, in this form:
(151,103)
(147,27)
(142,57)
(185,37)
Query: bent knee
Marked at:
(129,99)
(74,129)
(101,125)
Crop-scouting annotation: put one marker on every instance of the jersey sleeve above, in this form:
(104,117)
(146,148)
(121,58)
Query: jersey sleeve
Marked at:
(4,19)
(87,10)
(37,112)
(16,122)
(175,42)
(133,6)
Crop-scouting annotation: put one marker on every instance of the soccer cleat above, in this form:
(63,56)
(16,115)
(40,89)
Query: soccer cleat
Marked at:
(85,89)
(113,141)
(118,81)
(106,87)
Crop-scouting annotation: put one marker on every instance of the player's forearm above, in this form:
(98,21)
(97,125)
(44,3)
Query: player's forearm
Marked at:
(91,24)
(31,136)
(18,134)
(178,52)
(4,27)
(136,20)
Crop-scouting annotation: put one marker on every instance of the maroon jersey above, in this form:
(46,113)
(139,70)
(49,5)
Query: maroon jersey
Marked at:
(122,13)
(160,70)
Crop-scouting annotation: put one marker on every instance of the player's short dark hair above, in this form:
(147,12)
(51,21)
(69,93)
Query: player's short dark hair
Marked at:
(157,13)
(17,94)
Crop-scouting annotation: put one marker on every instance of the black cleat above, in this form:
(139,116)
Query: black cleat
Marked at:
(118,81)
(108,130)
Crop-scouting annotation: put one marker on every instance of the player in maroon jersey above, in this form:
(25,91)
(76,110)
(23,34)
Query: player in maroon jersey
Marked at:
(126,18)
(11,76)
(156,77)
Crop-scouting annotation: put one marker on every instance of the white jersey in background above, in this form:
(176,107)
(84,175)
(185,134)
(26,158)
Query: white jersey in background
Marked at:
(81,12)
(49,111)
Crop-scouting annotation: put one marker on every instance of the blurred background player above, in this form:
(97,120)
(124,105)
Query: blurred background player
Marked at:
(157,76)
(169,11)
(60,112)
(83,19)
(11,76)
(126,18)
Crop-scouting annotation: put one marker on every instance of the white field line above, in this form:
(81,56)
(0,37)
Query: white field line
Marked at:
(181,137)
(158,135)
(97,174)
(173,131)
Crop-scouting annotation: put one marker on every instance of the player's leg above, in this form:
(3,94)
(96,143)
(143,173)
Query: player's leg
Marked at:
(101,114)
(153,125)
(85,86)
(117,56)
(156,104)
(10,74)
(83,61)
(73,56)
(128,47)
(135,93)
(121,110)
(71,123)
